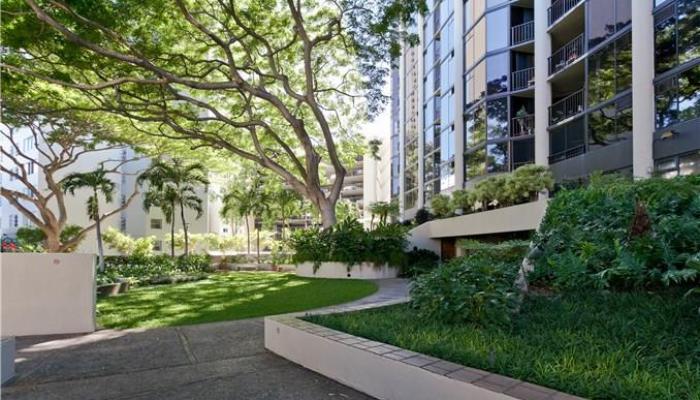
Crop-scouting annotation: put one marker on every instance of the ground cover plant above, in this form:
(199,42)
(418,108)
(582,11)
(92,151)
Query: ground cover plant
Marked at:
(599,345)
(154,269)
(222,297)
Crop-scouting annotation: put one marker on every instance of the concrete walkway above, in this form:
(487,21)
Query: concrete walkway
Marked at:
(223,360)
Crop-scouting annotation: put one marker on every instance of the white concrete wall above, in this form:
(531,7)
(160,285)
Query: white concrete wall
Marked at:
(340,271)
(45,293)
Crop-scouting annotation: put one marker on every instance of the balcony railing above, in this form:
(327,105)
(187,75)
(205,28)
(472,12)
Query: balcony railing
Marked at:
(566,154)
(567,107)
(523,79)
(522,33)
(559,8)
(522,126)
(566,55)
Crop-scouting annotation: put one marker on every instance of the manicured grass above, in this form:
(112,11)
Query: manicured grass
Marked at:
(595,345)
(229,296)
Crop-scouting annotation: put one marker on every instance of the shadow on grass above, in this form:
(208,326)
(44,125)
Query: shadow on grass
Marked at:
(230,296)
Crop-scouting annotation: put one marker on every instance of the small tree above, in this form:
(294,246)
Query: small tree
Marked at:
(98,182)
(175,182)
(61,139)
(166,199)
(246,199)
(284,203)
(384,210)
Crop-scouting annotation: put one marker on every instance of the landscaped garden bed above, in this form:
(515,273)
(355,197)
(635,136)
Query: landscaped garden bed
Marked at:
(225,296)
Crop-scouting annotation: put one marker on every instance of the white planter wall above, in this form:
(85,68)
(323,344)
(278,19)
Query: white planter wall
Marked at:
(340,271)
(47,293)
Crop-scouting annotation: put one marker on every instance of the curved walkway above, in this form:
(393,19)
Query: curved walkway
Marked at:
(223,360)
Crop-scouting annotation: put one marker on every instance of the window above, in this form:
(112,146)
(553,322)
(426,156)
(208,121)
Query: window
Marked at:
(497,118)
(14,220)
(158,245)
(678,98)
(566,141)
(601,21)
(523,152)
(475,163)
(497,73)
(610,70)
(497,32)
(28,144)
(156,223)
(475,85)
(475,126)
(610,124)
(122,223)
(677,39)
(685,164)
(30,168)
(497,158)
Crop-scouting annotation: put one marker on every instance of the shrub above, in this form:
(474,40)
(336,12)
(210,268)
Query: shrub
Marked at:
(620,233)
(419,261)
(127,245)
(462,199)
(153,269)
(527,181)
(423,216)
(473,288)
(348,242)
(440,204)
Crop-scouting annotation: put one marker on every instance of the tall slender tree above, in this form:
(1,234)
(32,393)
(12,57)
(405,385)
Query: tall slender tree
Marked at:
(175,181)
(100,185)
(165,198)
(245,199)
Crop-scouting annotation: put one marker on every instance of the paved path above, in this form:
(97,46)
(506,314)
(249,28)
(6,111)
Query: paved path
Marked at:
(223,360)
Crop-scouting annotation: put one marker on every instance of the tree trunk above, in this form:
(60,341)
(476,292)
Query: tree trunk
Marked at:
(328,218)
(100,249)
(184,227)
(247,232)
(172,234)
(257,245)
(53,241)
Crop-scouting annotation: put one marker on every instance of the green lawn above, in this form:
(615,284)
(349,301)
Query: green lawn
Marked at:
(229,296)
(595,345)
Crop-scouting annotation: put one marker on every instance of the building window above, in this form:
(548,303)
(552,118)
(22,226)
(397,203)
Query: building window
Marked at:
(156,223)
(475,163)
(678,98)
(14,220)
(28,144)
(158,245)
(610,70)
(610,124)
(607,17)
(30,168)
(567,141)
(677,39)
(122,223)
(497,73)
(686,164)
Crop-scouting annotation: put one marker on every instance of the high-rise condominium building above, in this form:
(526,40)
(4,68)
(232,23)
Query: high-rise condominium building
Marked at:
(578,85)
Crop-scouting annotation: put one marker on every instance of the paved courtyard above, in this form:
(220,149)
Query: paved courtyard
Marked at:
(223,360)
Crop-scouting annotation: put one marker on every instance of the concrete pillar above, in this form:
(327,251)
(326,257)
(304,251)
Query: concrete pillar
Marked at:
(643,88)
(402,132)
(421,138)
(459,93)
(543,91)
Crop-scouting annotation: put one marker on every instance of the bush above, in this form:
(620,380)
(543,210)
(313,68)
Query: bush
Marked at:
(419,262)
(474,288)
(462,200)
(31,239)
(619,233)
(440,204)
(423,216)
(127,245)
(153,269)
(348,242)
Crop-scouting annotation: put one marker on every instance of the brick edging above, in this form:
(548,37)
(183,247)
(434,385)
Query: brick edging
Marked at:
(508,388)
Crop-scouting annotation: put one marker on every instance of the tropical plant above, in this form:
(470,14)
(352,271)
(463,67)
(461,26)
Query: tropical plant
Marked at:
(384,210)
(422,216)
(440,205)
(173,181)
(463,200)
(100,185)
(127,245)
(283,204)
(621,233)
(248,198)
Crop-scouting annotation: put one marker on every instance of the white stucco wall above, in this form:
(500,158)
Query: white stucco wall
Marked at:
(45,293)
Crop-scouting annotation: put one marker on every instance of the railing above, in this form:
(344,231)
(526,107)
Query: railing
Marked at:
(566,154)
(566,55)
(522,126)
(559,8)
(523,79)
(567,107)
(522,33)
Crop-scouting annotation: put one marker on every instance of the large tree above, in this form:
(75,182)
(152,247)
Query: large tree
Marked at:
(276,82)
(59,142)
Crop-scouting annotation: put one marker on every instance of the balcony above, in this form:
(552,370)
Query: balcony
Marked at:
(522,126)
(523,79)
(559,8)
(522,33)
(565,155)
(566,107)
(566,55)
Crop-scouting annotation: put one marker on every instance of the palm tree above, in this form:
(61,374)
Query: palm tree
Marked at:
(384,210)
(286,202)
(176,181)
(166,199)
(99,183)
(245,200)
